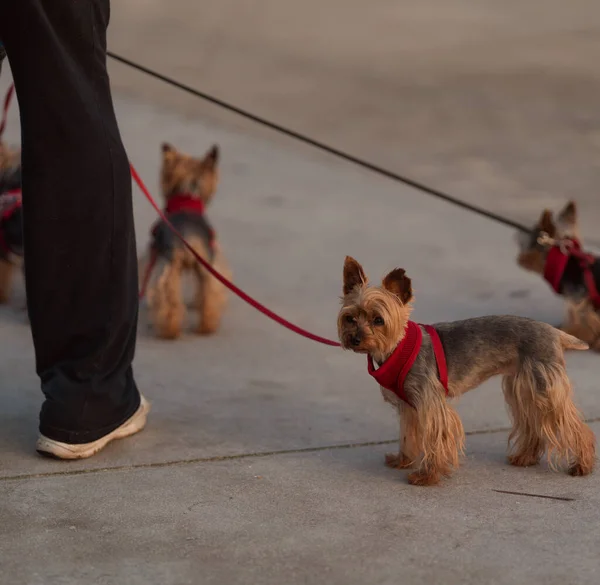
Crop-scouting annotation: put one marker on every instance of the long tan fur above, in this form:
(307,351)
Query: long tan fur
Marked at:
(529,355)
(6,278)
(540,400)
(199,177)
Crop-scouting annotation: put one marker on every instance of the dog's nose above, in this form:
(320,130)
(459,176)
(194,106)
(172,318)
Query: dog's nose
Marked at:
(355,340)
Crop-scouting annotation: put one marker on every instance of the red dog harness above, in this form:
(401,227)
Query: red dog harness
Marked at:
(180,202)
(392,373)
(184,202)
(10,203)
(556,263)
(188,204)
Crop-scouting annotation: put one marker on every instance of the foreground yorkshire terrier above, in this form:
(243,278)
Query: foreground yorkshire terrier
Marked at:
(420,367)
(188,186)
(553,250)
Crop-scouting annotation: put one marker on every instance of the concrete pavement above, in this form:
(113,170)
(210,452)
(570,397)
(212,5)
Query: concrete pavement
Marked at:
(335,516)
(263,458)
(165,507)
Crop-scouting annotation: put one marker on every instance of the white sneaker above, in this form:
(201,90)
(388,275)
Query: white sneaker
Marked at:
(136,423)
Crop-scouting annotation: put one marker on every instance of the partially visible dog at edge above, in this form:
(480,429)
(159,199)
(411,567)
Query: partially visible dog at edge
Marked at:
(11,219)
(188,187)
(420,368)
(11,212)
(582,314)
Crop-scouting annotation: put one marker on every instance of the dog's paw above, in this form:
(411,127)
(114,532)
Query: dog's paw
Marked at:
(523,460)
(423,478)
(579,470)
(206,330)
(398,461)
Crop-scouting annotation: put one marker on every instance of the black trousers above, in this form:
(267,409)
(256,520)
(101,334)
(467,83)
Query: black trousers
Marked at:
(79,240)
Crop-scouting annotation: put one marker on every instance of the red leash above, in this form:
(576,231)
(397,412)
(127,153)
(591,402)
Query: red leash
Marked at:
(232,287)
(175,203)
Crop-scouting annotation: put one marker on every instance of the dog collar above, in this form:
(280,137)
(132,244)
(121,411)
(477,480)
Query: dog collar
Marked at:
(392,373)
(184,202)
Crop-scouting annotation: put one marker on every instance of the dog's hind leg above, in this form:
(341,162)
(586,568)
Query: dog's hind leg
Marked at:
(544,399)
(526,446)
(211,298)
(166,298)
(6,276)
(583,322)
(589,315)
(145,266)
(575,441)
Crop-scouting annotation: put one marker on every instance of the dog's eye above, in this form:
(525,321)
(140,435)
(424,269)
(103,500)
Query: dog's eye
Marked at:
(378,321)
(349,319)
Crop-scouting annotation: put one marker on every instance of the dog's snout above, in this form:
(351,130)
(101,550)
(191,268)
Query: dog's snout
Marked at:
(355,340)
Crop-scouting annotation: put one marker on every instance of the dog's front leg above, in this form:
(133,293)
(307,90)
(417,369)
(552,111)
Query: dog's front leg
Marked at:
(409,450)
(440,438)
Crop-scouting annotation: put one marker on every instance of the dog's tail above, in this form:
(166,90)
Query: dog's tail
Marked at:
(571,342)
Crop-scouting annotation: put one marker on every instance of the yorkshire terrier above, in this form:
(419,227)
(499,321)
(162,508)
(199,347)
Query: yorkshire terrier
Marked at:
(420,367)
(188,186)
(11,218)
(553,250)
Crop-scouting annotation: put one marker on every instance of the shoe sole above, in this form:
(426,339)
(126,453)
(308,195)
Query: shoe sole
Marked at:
(57,450)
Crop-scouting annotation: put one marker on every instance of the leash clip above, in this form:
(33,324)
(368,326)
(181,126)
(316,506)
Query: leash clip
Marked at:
(565,245)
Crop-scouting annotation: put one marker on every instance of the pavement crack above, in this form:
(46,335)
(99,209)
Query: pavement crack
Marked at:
(233,457)
(529,495)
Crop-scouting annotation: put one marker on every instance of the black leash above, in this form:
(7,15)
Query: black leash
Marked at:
(320,145)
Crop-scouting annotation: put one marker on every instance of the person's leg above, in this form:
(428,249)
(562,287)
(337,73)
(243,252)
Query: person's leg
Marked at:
(2,54)
(81,272)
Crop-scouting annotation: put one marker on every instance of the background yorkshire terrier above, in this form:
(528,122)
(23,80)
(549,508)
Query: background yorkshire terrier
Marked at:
(188,186)
(540,252)
(11,218)
(417,374)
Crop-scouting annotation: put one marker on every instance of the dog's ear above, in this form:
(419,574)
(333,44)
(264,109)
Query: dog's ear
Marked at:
(169,153)
(546,223)
(211,159)
(569,214)
(354,275)
(399,284)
